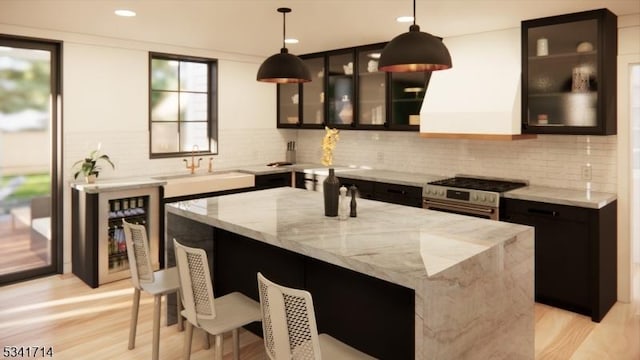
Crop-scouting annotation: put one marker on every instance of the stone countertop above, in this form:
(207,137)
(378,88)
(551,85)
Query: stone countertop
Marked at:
(388,176)
(351,172)
(264,169)
(572,197)
(399,244)
(117,184)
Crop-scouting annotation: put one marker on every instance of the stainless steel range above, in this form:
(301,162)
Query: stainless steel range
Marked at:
(468,195)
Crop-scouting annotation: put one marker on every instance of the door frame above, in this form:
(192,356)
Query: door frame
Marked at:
(625,178)
(55,161)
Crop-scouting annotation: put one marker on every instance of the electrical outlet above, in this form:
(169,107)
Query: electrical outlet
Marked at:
(586,172)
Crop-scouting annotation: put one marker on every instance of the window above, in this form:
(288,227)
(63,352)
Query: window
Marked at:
(182,105)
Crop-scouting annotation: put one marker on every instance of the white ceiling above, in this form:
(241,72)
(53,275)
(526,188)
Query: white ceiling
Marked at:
(253,27)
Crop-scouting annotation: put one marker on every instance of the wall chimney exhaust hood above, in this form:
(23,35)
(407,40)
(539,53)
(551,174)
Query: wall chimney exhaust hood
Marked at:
(479,98)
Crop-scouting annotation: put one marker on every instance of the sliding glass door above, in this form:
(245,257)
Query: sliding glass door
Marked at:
(29,129)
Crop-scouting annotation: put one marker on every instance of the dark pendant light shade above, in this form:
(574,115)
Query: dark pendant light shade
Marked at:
(414,51)
(283,67)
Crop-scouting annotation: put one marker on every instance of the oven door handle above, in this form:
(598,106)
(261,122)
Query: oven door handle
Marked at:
(448,205)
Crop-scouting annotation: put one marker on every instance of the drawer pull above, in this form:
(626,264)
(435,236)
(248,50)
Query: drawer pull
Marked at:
(394,191)
(544,212)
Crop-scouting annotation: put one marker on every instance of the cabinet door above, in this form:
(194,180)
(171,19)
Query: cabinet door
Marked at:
(340,89)
(561,261)
(313,93)
(407,93)
(372,88)
(272,181)
(288,105)
(563,246)
(569,70)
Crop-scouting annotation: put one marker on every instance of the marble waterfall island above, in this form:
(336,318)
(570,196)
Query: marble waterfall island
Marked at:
(396,282)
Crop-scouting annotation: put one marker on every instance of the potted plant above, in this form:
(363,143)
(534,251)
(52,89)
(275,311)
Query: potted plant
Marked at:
(89,167)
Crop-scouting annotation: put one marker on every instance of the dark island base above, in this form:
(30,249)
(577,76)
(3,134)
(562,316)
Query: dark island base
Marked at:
(370,314)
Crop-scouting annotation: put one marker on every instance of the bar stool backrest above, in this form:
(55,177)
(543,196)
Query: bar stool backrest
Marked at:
(195,283)
(135,236)
(288,322)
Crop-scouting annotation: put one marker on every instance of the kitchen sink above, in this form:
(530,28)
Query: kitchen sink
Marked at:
(192,184)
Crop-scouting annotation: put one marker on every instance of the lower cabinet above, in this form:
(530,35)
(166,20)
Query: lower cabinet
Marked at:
(353,307)
(575,254)
(270,181)
(372,190)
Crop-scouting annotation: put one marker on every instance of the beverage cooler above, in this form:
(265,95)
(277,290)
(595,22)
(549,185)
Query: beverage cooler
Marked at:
(99,251)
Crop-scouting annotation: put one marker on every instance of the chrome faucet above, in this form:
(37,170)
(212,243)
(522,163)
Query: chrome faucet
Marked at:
(193,165)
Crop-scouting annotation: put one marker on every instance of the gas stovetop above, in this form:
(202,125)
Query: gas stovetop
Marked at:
(470,189)
(493,185)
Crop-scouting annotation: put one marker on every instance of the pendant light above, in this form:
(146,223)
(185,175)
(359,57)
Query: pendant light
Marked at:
(283,67)
(414,51)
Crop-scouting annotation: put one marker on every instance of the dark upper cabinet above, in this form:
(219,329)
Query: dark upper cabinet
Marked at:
(312,99)
(340,90)
(569,74)
(372,88)
(288,105)
(348,91)
(407,93)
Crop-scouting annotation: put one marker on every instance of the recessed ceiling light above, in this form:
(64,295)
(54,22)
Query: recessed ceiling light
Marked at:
(291,41)
(125,12)
(404,19)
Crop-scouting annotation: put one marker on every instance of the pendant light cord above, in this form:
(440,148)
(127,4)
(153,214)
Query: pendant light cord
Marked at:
(284,29)
(414,12)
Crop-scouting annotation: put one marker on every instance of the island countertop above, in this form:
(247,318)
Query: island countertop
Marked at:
(471,279)
(399,244)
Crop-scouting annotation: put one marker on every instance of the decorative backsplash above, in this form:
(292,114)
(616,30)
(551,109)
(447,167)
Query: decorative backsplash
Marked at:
(130,153)
(549,160)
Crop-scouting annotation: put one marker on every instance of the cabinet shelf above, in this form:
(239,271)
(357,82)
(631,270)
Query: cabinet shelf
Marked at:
(560,94)
(563,56)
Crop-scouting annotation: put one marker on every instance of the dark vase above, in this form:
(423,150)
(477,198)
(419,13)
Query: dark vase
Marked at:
(331,189)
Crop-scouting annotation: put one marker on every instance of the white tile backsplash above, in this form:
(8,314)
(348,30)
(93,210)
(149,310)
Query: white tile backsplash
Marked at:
(549,160)
(130,151)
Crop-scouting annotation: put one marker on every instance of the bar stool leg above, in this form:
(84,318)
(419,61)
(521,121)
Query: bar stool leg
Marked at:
(180,319)
(218,347)
(236,344)
(157,300)
(134,318)
(188,337)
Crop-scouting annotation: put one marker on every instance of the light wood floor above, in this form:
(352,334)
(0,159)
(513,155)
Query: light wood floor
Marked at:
(83,323)
(15,251)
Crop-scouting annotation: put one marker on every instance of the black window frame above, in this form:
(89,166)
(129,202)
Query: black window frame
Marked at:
(212,91)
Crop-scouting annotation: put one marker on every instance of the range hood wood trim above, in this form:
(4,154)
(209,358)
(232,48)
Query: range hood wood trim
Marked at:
(494,137)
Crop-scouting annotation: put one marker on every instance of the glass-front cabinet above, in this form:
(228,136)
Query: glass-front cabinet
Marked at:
(569,74)
(348,91)
(372,88)
(313,92)
(407,93)
(288,105)
(340,89)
